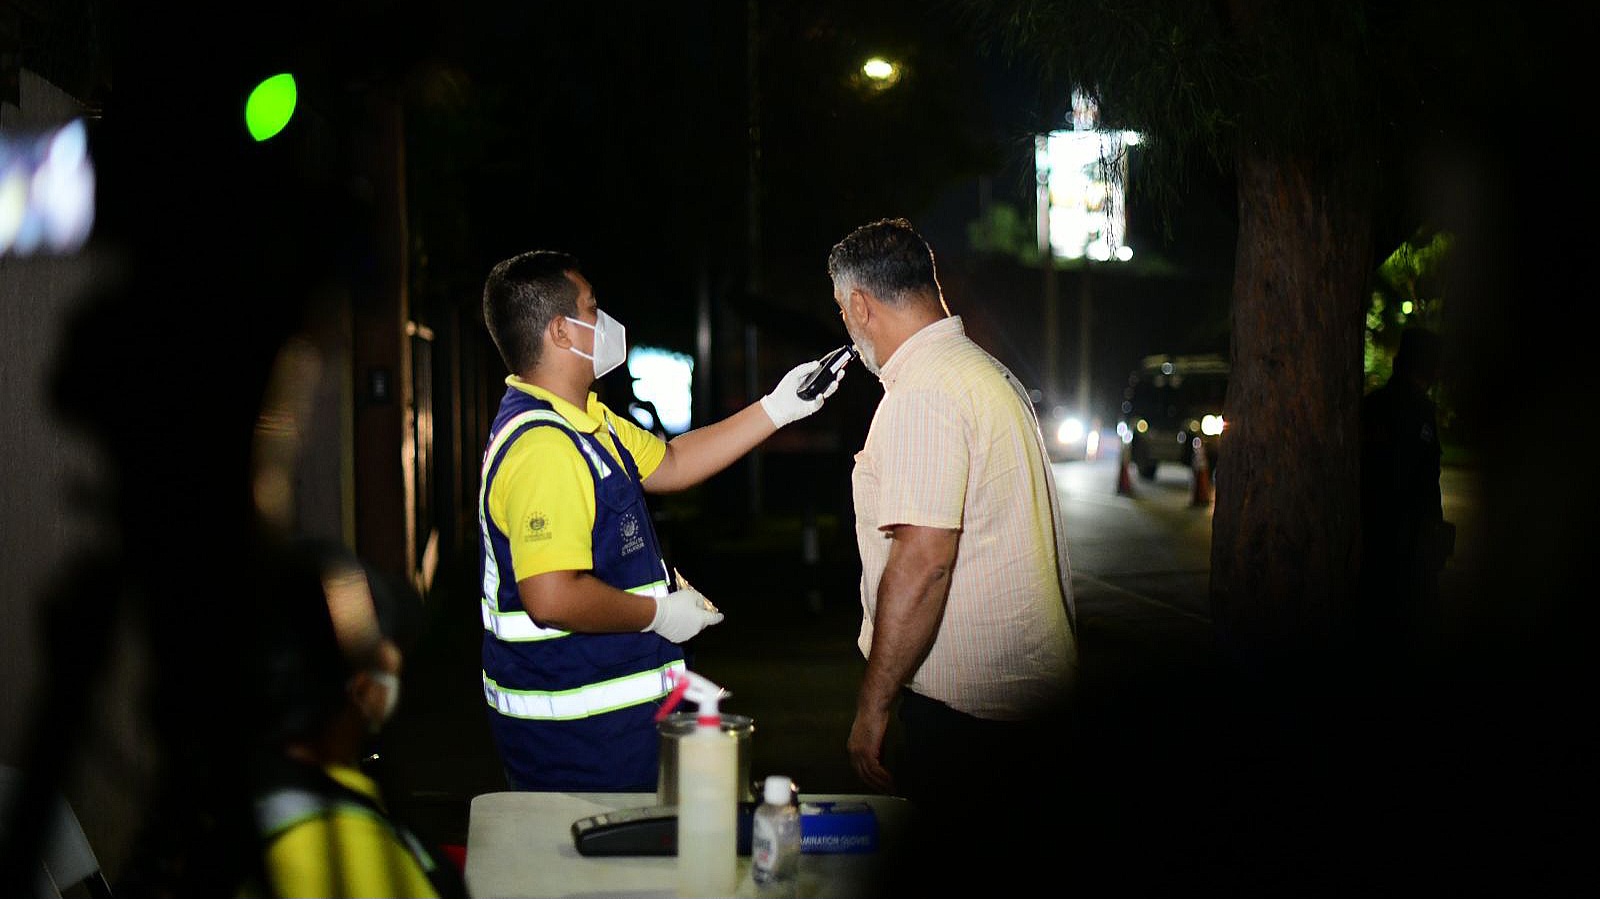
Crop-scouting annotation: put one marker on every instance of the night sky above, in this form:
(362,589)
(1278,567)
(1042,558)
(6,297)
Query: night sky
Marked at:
(622,135)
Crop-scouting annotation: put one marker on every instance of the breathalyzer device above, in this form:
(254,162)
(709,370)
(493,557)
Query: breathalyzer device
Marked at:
(826,373)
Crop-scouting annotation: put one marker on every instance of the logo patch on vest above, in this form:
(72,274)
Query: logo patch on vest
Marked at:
(631,541)
(536,529)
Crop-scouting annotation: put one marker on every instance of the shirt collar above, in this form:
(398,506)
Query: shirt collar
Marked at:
(584,420)
(926,337)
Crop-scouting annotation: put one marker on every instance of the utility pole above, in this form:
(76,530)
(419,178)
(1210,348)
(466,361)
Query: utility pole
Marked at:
(1085,304)
(1047,261)
(753,280)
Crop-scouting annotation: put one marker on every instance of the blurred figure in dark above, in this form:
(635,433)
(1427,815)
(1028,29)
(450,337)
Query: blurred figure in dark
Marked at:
(329,679)
(1404,535)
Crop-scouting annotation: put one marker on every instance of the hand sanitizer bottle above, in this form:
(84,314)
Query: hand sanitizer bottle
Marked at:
(775,841)
(708,808)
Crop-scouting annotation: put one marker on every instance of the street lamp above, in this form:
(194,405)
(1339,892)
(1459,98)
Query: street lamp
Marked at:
(879,74)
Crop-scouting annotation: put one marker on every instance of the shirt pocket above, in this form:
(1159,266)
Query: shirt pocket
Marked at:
(618,492)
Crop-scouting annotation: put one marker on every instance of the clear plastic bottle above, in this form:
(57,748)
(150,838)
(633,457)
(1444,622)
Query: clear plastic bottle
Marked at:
(775,841)
(708,805)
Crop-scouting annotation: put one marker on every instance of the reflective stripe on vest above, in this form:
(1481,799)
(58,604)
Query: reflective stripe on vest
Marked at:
(503,624)
(282,810)
(491,574)
(517,627)
(582,702)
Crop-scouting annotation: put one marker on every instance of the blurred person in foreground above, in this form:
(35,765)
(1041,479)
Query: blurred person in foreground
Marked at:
(968,623)
(330,680)
(1404,537)
(582,617)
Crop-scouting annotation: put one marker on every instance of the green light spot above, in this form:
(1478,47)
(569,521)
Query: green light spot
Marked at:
(270,106)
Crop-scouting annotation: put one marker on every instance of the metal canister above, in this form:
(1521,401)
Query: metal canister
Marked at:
(673,727)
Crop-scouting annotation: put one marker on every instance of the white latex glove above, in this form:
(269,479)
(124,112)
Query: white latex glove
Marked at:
(784,407)
(683,613)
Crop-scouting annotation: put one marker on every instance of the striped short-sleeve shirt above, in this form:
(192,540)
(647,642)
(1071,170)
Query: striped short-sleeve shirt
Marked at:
(952,445)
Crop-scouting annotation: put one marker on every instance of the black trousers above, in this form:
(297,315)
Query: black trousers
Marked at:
(966,779)
(947,755)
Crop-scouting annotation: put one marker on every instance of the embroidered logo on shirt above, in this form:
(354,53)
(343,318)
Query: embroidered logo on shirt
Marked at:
(537,528)
(631,541)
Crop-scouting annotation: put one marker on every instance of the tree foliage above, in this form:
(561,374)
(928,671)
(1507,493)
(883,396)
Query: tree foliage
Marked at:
(1409,289)
(1197,79)
(1323,115)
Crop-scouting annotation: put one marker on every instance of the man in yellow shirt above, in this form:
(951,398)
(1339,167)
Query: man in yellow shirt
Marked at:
(582,617)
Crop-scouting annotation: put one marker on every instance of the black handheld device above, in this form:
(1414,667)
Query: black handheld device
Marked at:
(647,830)
(833,363)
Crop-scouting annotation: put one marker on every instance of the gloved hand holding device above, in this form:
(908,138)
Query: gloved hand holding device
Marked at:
(784,404)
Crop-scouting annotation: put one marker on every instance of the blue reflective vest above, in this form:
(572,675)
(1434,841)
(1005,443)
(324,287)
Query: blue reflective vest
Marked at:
(571,711)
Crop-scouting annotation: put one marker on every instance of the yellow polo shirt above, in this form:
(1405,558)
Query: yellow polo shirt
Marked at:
(542,498)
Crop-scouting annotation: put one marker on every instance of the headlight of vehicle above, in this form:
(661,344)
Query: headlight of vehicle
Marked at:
(1070,431)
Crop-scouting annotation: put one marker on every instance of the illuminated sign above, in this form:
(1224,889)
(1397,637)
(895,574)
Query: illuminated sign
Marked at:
(1081,173)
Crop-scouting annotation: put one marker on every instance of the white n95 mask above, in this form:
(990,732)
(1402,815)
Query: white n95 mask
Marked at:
(391,684)
(610,342)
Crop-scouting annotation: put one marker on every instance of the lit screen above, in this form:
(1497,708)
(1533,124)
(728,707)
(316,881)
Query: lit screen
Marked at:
(46,190)
(666,380)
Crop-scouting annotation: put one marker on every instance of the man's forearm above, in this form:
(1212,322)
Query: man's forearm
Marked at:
(911,601)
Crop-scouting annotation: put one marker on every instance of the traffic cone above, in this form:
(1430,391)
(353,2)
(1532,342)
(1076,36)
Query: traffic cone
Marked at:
(1202,476)
(1124,482)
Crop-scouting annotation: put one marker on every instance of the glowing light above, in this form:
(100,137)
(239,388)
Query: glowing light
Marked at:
(878,75)
(878,69)
(1212,425)
(1081,174)
(664,379)
(270,106)
(47,190)
(1069,431)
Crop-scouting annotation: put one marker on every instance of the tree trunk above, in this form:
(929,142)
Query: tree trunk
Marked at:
(1286,525)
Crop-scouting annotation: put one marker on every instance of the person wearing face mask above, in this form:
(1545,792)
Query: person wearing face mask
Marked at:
(968,618)
(329,679)
(583,619)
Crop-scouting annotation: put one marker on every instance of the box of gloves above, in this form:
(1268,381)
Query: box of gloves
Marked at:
(837,827)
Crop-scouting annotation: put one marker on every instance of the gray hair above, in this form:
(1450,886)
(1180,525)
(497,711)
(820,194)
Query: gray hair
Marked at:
(887,257)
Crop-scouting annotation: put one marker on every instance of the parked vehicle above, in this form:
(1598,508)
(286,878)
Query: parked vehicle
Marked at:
(1170,401)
